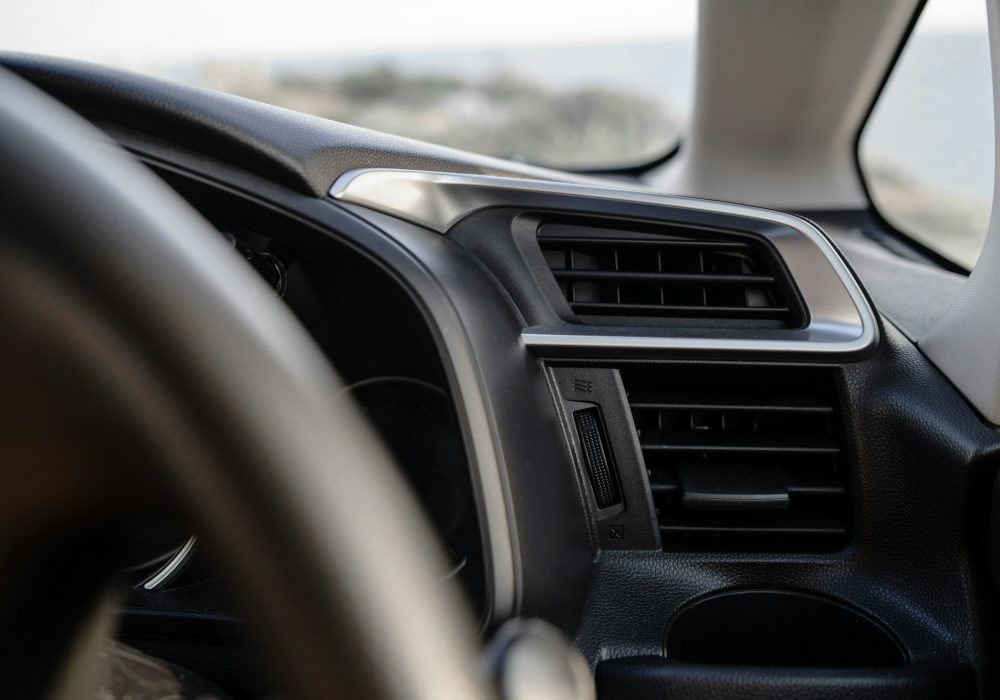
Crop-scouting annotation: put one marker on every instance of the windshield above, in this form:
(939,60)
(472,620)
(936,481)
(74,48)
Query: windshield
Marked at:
(581,85)
(927,151)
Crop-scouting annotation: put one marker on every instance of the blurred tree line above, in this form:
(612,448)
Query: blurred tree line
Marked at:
(504,114)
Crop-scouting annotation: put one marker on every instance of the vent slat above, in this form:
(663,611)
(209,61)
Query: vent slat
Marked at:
(829,488)
(747,443)
(659,277)
(617,309)
(558,242)
(728,402)
(832,529)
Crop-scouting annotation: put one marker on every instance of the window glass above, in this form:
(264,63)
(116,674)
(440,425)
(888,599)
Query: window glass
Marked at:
(927,151)
(586,84)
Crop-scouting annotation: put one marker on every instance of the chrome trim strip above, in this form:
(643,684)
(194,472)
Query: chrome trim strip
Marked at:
(173,567)
(621,342)
(841,320)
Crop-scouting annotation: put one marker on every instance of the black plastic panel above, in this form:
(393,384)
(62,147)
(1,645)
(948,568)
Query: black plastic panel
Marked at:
(542,489)
(630,525)
(356,310)
(651,678)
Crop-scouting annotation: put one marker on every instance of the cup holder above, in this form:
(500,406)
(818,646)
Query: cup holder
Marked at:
(778,628)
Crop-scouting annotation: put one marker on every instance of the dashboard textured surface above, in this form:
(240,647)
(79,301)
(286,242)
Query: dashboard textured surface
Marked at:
(303,152)
(921,456)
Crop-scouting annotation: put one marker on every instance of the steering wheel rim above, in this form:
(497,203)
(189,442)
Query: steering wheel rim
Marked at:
(173,376)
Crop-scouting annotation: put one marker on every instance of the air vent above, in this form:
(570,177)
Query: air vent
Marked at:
(673,273)
(739,460)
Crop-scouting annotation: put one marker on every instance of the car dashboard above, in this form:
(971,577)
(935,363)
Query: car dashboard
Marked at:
(659,423)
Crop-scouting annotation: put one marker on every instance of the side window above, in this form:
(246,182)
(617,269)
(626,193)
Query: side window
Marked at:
(926,153)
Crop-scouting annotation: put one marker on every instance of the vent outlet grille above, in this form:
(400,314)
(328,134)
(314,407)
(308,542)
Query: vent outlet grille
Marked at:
(737,467)
(648,276)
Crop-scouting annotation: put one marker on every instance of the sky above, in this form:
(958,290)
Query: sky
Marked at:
(103,29)
(106,30)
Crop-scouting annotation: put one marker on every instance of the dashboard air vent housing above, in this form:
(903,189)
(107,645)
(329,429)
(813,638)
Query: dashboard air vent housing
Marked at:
(742,458)
(684,275)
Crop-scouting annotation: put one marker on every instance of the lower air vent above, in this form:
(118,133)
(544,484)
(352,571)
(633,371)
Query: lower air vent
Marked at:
(742,458)
(670,273)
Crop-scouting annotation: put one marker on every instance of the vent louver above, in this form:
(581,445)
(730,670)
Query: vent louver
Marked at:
(742,465)
(641,276)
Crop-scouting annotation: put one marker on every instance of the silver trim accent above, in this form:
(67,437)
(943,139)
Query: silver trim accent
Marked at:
(173,567)
(841,320)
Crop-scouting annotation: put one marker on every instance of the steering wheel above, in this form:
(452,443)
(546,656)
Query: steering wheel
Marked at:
(143,366)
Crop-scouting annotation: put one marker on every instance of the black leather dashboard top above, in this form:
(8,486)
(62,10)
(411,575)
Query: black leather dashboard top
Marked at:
(299,151)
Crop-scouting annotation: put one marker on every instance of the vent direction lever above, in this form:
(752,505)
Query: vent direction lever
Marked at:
(726,487)
(594,441)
